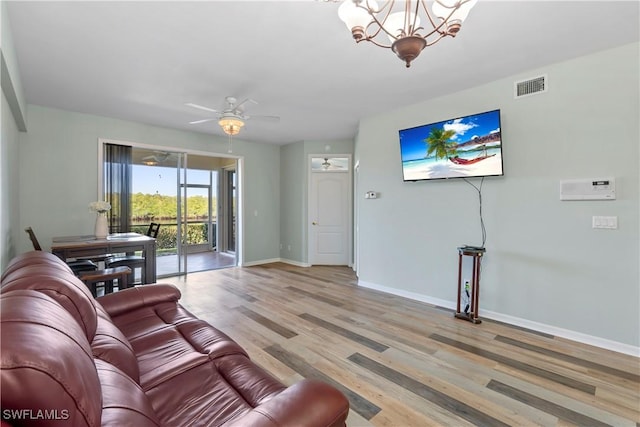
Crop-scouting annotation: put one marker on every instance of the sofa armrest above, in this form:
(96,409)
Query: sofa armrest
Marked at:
(307,403)
(140,296)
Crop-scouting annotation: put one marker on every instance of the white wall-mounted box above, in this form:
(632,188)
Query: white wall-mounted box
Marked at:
(588,189)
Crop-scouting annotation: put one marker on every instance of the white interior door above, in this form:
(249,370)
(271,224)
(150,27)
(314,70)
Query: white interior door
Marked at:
(329,214)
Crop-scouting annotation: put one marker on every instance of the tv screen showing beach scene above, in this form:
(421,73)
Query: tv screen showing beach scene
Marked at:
(465,147)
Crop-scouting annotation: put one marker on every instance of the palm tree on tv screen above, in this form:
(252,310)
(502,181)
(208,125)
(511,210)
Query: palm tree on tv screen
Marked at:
(439,142)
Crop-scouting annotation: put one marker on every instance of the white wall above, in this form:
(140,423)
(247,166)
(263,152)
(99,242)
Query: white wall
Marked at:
(545,267)
(11,80)
(9,183)
(292,201)
(9,138)
(58,175)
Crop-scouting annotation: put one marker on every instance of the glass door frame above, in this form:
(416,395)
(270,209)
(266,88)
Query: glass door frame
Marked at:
(239,167)
(209,188)
(182,212)
(228,211)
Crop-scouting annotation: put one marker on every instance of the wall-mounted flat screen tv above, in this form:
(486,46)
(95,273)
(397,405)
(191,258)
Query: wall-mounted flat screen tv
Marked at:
(464,147)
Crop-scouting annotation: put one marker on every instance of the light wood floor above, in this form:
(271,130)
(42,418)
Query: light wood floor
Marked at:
(167,265)
(405,363)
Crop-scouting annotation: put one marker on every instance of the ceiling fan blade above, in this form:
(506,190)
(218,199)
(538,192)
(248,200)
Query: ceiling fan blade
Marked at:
(201,107)
(239,106)
(265,118)
(200,121)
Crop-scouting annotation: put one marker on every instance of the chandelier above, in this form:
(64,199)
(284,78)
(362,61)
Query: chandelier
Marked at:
(231,124)
(403,25)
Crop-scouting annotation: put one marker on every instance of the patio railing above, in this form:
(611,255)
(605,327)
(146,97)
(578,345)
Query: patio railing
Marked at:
(166,242)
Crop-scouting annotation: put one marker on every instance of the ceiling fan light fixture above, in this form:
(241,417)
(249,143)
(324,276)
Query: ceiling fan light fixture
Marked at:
(150,162)
(231,125)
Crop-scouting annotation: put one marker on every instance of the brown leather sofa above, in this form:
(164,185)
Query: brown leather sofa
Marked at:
(132,358)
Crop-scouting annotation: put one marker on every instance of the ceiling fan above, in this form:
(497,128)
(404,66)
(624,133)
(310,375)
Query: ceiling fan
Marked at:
(156,158)
(232,118)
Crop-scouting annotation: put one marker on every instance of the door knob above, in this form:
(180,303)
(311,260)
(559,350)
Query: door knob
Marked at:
(314,223)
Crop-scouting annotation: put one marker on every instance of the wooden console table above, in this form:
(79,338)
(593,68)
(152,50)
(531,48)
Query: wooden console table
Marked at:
(86,246)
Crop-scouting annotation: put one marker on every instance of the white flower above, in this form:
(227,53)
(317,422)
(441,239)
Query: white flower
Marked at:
(99,206)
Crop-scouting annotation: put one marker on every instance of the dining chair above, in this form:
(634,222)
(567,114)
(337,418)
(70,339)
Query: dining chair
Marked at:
(154,227)
(133,261)
(77,266)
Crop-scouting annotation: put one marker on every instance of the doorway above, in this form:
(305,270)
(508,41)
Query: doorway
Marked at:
(181,191)
(329,210)
(201,218)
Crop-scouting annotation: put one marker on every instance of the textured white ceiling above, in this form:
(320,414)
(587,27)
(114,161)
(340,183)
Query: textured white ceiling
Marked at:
(142,61)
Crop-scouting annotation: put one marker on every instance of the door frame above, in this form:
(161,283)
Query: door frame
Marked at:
(356,218)
(240,220)
(225,206)
(202,247)
(349,231)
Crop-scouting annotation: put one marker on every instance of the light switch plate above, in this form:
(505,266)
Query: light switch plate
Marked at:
(608,222)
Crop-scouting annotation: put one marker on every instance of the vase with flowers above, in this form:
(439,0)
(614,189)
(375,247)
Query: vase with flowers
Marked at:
(100,208)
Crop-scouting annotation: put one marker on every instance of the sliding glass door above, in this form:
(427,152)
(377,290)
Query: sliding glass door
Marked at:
(193,197)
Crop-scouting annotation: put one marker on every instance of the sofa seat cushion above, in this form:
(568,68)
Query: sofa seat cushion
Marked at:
(196,397)
(163,355)
(254,384)
(214,392)
(203,396)
(123,401)
(168,350)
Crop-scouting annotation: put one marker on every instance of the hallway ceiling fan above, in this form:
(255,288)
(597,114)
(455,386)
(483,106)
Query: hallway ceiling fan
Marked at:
(233,116)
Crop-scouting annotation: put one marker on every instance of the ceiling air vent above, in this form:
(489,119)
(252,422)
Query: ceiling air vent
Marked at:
(532,86)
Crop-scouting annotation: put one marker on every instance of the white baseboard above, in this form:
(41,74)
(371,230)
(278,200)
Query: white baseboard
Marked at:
(407,294)
(259,262)
(272,260)
(516,321)
(564,333)
(296,263)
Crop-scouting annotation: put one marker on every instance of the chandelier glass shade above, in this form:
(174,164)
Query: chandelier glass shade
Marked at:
(231,125)
(406,27)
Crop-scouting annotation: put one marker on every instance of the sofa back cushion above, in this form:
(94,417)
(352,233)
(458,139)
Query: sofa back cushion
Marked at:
(33,258)
(110,344)
(123,401)
(62,286)
(46,365)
